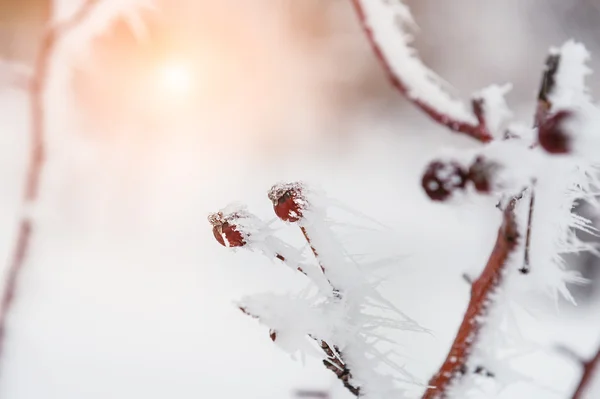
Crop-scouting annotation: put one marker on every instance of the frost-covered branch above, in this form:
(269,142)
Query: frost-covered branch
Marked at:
(483,288)
(59,29)
(514,166)
(38,82)
(383,23)
(590,376)
(341,322)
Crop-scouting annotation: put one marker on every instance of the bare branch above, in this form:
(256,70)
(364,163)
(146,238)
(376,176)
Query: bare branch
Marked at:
(477,129)
(37,154)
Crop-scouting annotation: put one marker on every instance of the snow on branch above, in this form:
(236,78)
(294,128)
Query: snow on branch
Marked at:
(457,363)
(57,32)
(345,320)
(513,168)
(384,23)
(572,122)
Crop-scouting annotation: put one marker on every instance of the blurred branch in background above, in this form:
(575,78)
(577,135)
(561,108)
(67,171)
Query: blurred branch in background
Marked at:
(35,167)
(311,394)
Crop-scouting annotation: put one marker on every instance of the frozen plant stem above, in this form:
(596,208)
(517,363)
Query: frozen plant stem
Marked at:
(541,114)
(482,289)
(289,205)
(457,362)
(37,155)
(478,131)
(230,234)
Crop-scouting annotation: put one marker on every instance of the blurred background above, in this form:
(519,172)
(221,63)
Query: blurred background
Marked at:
(127,294)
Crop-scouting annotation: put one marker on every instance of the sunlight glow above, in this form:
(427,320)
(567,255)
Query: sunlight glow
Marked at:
(176,78)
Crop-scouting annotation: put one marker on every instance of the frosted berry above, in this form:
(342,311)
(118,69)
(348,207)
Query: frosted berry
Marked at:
(553,136)
(288,201)
(225,231)
(441,179)
(481,173)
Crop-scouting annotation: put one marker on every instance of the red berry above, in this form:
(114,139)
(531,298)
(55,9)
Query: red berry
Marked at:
(288,201)
(441,179)
(553,136)
(226,233)
(273,335)
(481,174)
(228,236)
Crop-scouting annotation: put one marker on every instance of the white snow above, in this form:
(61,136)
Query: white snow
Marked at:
(388,20)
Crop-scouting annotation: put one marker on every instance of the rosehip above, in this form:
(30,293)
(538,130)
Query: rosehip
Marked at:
(481,173)
(288,201)
(226,233)
(441,179)
(553,136)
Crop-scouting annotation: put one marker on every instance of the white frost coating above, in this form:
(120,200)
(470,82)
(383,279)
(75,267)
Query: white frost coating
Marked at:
(560,183)
(355,320)
(294,319)
(570,89)
(563,181)
(518,165)
(387,20)
(496,111)
(261,238)
(571,94)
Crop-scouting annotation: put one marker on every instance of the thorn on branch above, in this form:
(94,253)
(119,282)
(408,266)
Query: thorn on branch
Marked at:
(484,372)
(467,278)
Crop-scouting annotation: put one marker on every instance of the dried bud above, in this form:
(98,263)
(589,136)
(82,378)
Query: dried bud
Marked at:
(481,174)
(288,201)
(552,134)
(442,179)
(225,230)
(273,335)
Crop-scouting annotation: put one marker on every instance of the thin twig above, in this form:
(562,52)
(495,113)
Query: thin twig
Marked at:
(544,106)
(477,131)
(37,156)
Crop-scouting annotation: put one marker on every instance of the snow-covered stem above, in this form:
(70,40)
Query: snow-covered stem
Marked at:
(229,230)
(541,115)
(37,154)
(474,125)
(455,365)
(334,360)
(591,370)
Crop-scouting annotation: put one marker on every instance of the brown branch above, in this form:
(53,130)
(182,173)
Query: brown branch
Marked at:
(37,156)
(455,365)
(590,369)
(477,131)
(542,112)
